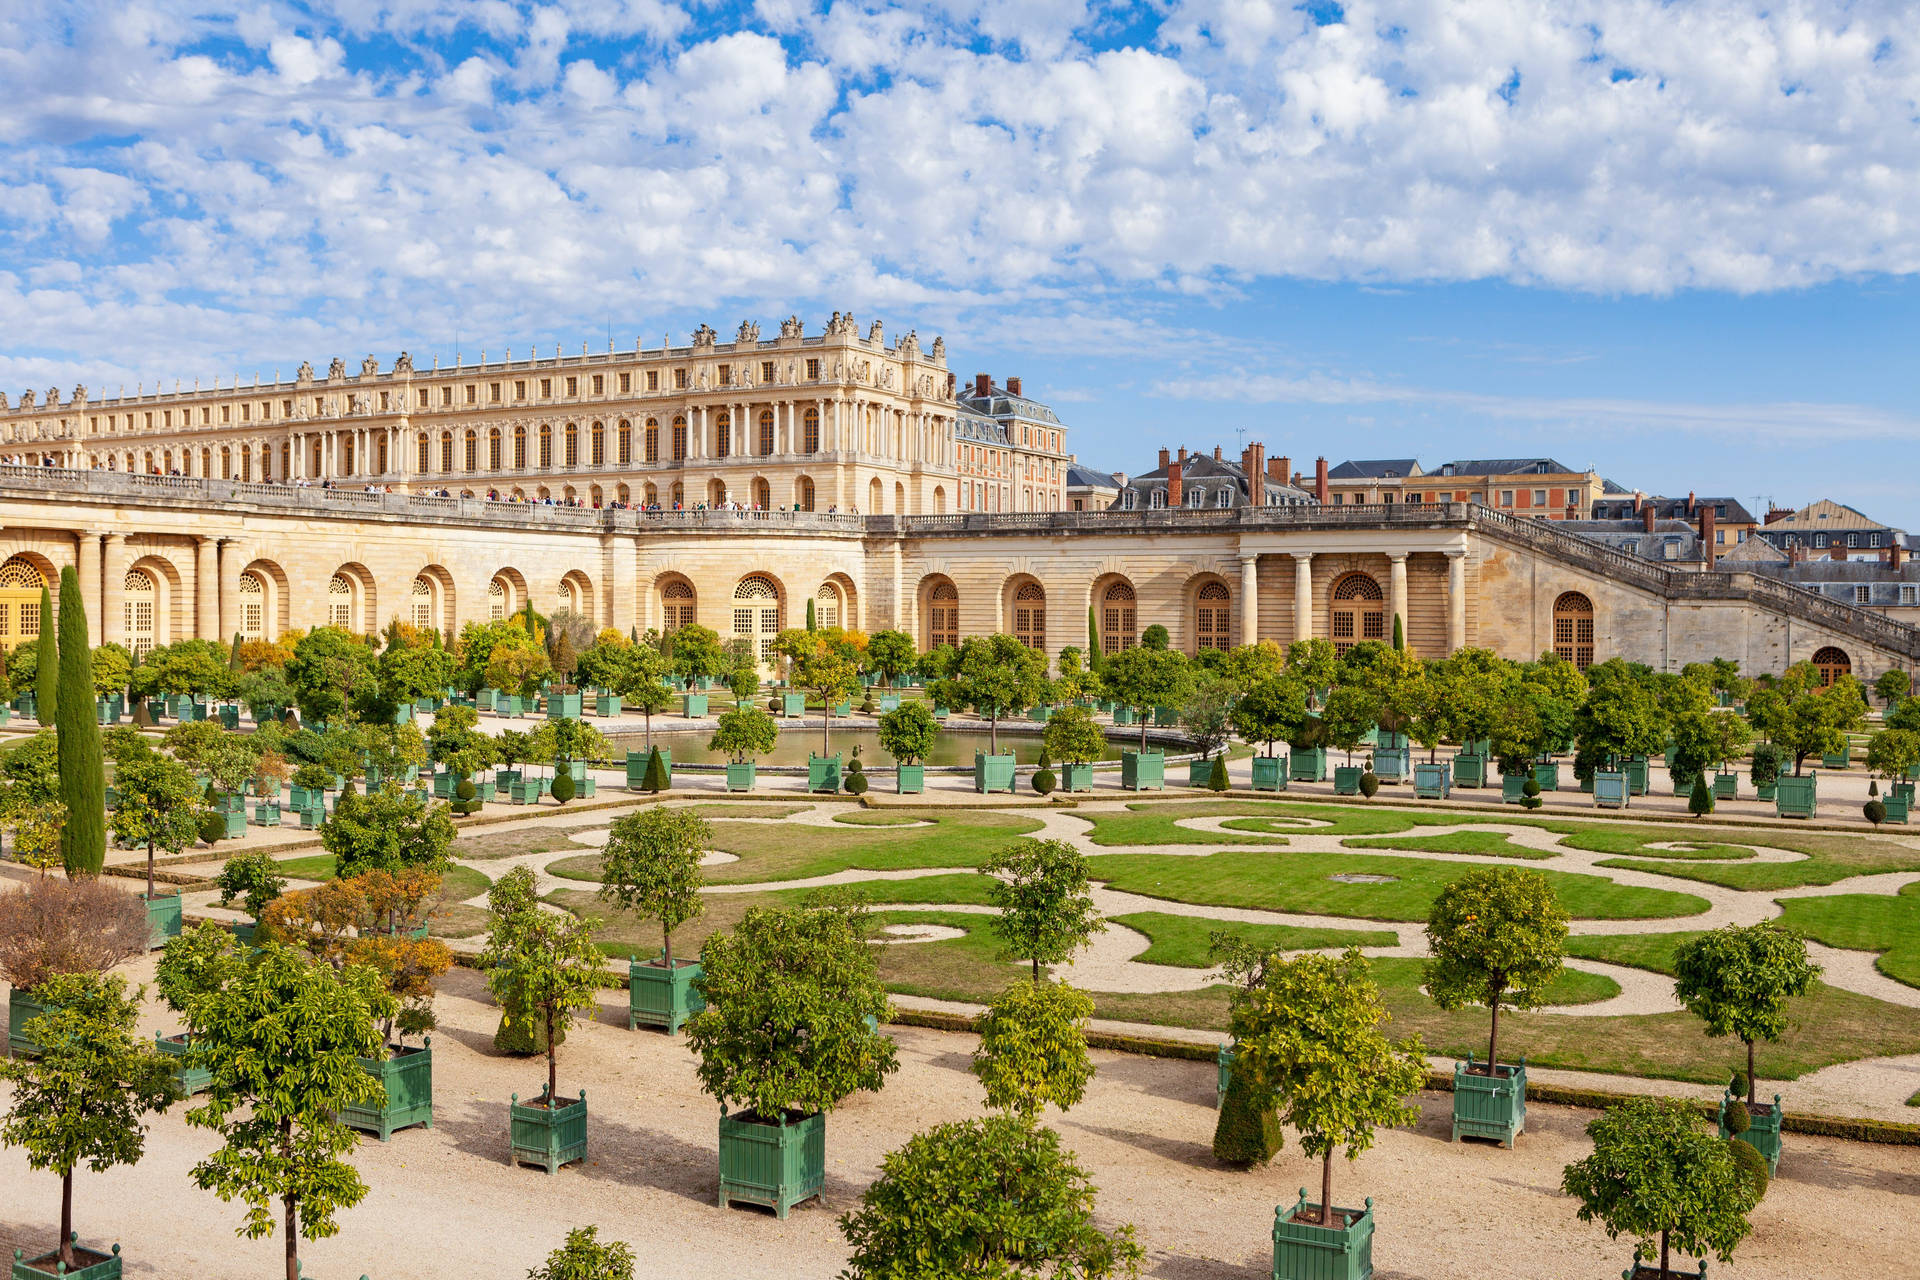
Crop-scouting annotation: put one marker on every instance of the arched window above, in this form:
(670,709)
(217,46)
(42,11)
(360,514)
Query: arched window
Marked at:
(1030,616)
(803,493)
(470,455)
(676,606)
(569,595)
(1832,663)
(573,444)
(766,432)
(1573,629)
(140,596)
(519,448)
(340,603)
(653,440)
(1118,625)
(1358,613)
(496,601)
(810,431)
(626,444)
(253,607)
(20,584)
(493,449)
(423,454)
(943,616)
(827,605)
(762,494)
(598,452)
(679,439)
(756,613)
(446,451)
(226,463)
(420,604)
(717,493)
(1212,616)
(546,446)
(723,434)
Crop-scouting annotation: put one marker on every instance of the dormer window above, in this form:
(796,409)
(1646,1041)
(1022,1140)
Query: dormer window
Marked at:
(1157,499)
(1446,469)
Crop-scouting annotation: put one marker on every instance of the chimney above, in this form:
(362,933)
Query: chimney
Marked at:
(1281,469)
(1893,554)
(1707,550)
(1776,514)
(1173,481)
(1647,516)
(1689,502)
(1320,481)
(1256,468)
(1164,456)
(981,384)
(1216,453)
(1183,455)
(1013,386)
(1636,504)
(1839,551)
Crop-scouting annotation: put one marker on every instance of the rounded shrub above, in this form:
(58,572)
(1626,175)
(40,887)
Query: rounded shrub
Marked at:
(213,827)
(1753,1166)
(1737,1118)
(1044,781)
(1530,793)
(857,784)
(562,787)
(1369,784)
(773,706)
(866,704)
(1875,811)
(1738,1084)
(465,790)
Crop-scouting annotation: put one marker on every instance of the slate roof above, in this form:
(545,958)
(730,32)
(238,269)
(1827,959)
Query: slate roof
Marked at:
(1376,469)
(1725,510)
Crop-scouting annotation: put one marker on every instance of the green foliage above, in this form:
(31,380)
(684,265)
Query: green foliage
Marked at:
(388,829)
(656,778)
(46,674)
(1766,764)
(1033,1047)
(1738,980)
(1497,936)
(746,732)
(1142,677)
(1738,1118)
(1271,710)
(1737,1084)
(1046,911)
(476,646)
(997,676)
(891,653)
(1892,686)
(1043,780)
(111,666)
(1247,1133)
(457,743)
(651,867)
(83,778)
(1155,637)
(1875,811)
(1207,710)
(252,878)
(329,668)
(562,788)
(1894,753)
(1753,1167)
(1657,1176)
(1369,782)
(543,964)
(907,732)
(518,668)
(159,808)
(413,672)
(83,1099)
(1622,715)
(1217,776)
(1072,735)
(583,1257)
(697,652)
(788,994)
(992,1199)
(1700,799)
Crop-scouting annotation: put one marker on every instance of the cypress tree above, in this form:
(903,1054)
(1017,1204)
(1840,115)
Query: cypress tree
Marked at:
(810,625)
(1700,799)
(233,663)
(1217,776)
(46,679)
(1399,635)
(1244,1136)
(1095,659)
(83,778)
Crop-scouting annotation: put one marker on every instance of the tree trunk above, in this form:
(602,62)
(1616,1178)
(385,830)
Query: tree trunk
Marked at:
(553,1059)
(1036,971)
(149,871)
(666,947)
(66,1219)
(1143,733)
(1664,1271)
(1752,1086)
(649,716)
(826,724)
(292,1210)
(1493,1036)
(1326,1188)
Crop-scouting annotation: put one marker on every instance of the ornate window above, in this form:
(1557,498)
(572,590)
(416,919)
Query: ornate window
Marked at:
(253,607)
(677,606)
(943,616)
(723,435)
(420,604)
(1832,663)
(1212,617)
(827,605)
(1573,629)
(1358,613)
(519,448)
(626,444)
(496,601)
(573,444)
(340,603)
(756,613)
(20,584)
(1030,616)
(1118,625)
(766,432)
(446,451)
(140,597)
(493,449)
(546,447)
(810,431)
(470,455)
(679,439)
(598,451)
(653,440)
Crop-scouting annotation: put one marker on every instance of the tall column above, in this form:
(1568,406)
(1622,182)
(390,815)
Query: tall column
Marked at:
(206,588)
(1456,601)
(88,567)
(113,589)
(224,603)
(1397,593)
(1249,599)
(1302,595)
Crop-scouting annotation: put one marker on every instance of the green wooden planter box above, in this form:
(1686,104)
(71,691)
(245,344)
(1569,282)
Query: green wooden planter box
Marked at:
(1492,1106)
(776,1165)
(842,708)
(21,1009)
(1796,797)
(661,997)
(1636,772)
(100,711)
(229,802)
(443,785)
(1123,715)
(740,777)
(1547,774)
(243,930)
(1904,790)
(1076,776)
(888,703)
(992,773)
(823,772)
(1346,779)
(548,1138)
(526,790)
(312,816)
(693,705)
(1223,1074)
(1198,771)
(403,713)
(1143,770)
(485,699)
(1898,808)
(1390,764)
(1269,773)
(304,797)
(1469,770)
(507,704)
(1764,790)
(1763,1134)
(793,704)
(163,918)
(910,779)
(407,1076)
(606,704)
(1726,786)
(1308,764)
(1041,714)
(6,714)
(1610,790)
(234,824)
(637,767)
(1682,783)
(191,1080)
(1432,781)
(1513,788)
(1166,717)
(1309,1251)
(1835,759)
(105,1267)
(426,706)
(565,706)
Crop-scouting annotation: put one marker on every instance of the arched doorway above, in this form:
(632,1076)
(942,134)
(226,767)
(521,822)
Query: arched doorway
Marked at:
(1573,628)
(1831,663)
(756,614)
(496,601)
(1358,612)
(142,597)
(253,607)
(1030,615)
(420,604)
(340,602)
(677,605)
(943,615)
(1213,617)
(829,609)
(1119,623)
(20,585)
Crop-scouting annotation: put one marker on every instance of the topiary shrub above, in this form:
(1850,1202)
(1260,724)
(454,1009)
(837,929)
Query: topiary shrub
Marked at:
(213,827)
(857,784)
(1244,1137)
(1753,1166)
(1738,1085)
(1530,794)
(773,706)
(1044,780)
(562,789)
(1875,810)
(866,704)
(465,790)
(1369,784)
(1737,1117)
(656,779)
(1700,799)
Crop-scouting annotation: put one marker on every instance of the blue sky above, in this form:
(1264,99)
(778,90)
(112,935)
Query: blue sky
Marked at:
(1676,242)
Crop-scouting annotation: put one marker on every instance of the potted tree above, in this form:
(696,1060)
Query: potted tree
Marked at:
(824,662)
(907,733)
(1143,677)
(640,680)
(187,964)
(50,926)
(583,1257)
(891,654)
(252,878)
(1271,710)
(788,1033)
(1033,1047)
(157,806)
(698,657)
(1046,911)
(516,670)
(1738,980)
(544,965)
(996,676)
(743,733)
(1075,739)
(461,751)
(651,867)
(1894,754)
(1656,1175)
(1309,1040)
(1347,718)
(1204,715)
(82,1098)
(1497,936)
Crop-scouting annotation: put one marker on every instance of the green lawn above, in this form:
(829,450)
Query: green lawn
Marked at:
(457,885)
(1866,922)
(1300,882)
(1184,940)
(1493,844)
(1652,951)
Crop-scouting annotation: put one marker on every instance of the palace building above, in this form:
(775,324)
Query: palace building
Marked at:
(729,483)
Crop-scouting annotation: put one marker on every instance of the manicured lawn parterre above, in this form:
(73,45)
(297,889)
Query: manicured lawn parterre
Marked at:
(1866,922)
(1486,844)
(457,885)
